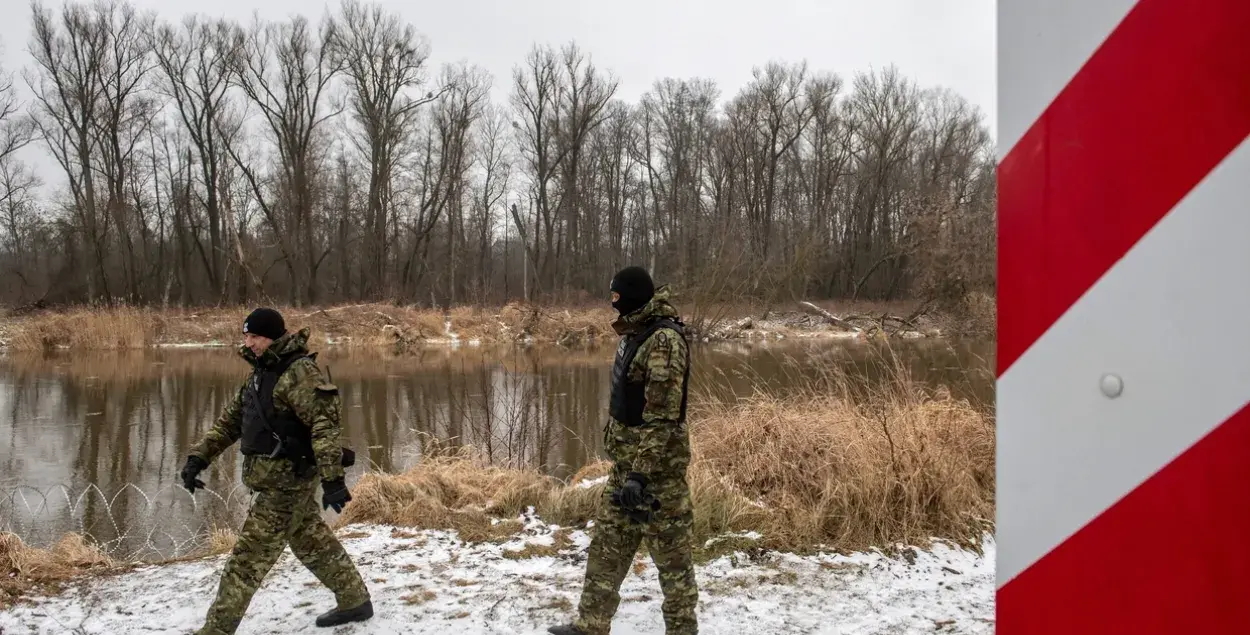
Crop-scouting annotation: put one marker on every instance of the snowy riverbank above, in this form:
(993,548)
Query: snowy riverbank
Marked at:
(430,582)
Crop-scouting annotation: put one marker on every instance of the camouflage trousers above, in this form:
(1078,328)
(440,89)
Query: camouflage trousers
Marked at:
(276,519)
(614,542)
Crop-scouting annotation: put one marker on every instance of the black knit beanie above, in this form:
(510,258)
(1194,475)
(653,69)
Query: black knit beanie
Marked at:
(635,287)
(265,322)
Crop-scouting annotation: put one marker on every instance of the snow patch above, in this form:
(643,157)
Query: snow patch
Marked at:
(455,337)
(192,345)
(430,582)
(591,482)
(745,535)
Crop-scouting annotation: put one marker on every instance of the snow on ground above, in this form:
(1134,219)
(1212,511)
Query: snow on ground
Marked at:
(430,582)
(591,482)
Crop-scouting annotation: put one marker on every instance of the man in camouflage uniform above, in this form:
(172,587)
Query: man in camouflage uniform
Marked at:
(286,417)
(646,496)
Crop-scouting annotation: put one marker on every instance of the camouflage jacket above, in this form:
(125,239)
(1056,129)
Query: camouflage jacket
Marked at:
(660,448)
(302,391)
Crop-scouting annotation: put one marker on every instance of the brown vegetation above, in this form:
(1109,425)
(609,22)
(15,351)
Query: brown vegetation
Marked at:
(25,569)
(831,465)
(366,325)
(836,466)
(386,326)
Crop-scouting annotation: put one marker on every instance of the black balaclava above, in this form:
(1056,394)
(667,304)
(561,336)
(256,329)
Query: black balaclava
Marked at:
(635,288)
(265,322)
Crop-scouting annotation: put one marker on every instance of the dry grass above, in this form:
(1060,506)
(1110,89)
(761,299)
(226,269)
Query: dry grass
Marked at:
(831,464)
(221,541)
(456,489)
(835,465)
(25,569)
(841,462)
(121,328)
(375,325)
(975,316)
(127,366)
(419,597)
(365,325)
(825,471)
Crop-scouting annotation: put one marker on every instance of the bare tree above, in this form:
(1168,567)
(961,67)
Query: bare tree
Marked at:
(677,118)
(493,161)
(775,110)
(286,72)
(125,111)
(16,129)
(616,180)
(537,90)
(442,170)
(561,98)
(384,59)
(884,113)
(17,184)
(68,83)
(582,112)
(208,162)
(195,61)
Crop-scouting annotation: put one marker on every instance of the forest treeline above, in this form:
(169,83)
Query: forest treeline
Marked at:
(324,160)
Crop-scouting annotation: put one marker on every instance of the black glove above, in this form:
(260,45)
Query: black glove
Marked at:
(190,471)
(630,494)
(349,458)
(334,494)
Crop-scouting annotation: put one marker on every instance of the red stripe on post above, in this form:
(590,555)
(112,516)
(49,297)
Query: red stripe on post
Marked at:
(1159,105)
(1170,557)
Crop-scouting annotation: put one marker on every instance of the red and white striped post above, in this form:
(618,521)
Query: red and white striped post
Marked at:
(1124,317)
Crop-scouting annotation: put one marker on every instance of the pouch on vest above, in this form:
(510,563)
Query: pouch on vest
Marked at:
(347,458)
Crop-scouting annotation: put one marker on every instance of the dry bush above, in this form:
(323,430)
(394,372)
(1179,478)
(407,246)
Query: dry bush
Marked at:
(825,471)
(458,489)
(380,325)
(219,541)
(559,326)
(366,325)
(222,540)
(356,363)
(820,458)
(839,463)
(975,315)
(461,491)
(833,464)
(24,569)
(448,490)
(118,328)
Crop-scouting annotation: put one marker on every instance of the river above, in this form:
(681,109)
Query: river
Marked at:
(93,442)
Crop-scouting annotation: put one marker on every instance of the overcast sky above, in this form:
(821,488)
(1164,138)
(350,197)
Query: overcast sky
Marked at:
(947,43)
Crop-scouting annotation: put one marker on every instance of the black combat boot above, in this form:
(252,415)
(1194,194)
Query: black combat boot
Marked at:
(565,629)
(342,616)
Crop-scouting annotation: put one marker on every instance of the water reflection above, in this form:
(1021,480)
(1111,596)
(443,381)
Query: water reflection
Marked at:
(111,420)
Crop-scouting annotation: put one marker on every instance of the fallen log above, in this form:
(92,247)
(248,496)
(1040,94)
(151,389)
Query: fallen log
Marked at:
(327,312)
(831,317)
(882,319)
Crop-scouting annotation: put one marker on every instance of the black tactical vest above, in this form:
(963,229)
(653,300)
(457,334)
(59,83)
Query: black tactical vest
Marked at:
(629,397)
(263,426)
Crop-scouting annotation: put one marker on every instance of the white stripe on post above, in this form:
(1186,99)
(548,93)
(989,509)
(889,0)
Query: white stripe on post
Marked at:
(1041,46)
(1168,319)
